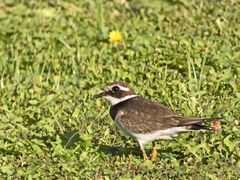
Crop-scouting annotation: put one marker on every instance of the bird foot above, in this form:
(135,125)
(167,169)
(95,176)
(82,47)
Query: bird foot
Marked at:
(145,157)
(154,154)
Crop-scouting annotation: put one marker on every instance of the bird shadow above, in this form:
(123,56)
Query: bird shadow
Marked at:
(163,152)
(69,140)
(119,150)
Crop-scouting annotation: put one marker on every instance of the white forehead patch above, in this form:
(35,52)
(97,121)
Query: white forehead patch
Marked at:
(122,88)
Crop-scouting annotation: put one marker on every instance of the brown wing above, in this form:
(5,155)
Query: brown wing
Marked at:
(139,119)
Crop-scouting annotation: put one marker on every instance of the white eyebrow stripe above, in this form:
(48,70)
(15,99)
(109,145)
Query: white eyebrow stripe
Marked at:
(124,88)
(121,88)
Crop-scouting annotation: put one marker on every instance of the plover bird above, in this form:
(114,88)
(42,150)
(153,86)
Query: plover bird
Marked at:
(145,120)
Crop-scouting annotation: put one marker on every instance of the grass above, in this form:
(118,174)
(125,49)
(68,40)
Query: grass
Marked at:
(54,56)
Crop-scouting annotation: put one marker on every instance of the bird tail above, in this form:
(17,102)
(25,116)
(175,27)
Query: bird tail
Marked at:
(195,123)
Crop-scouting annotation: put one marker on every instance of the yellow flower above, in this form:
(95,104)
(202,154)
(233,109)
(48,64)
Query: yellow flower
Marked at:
(115,36)
(216,126)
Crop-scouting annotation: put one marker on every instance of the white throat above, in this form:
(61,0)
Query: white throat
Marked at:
(113,101)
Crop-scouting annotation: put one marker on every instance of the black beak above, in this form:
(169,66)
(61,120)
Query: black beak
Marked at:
(100,95)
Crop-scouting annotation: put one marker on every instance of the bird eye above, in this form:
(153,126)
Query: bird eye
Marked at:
(115,88)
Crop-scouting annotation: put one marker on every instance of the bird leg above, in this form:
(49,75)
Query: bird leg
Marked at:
(154,152)
(145,157)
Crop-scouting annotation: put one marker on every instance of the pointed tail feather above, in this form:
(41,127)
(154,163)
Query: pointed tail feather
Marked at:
(195,124)
(192,121)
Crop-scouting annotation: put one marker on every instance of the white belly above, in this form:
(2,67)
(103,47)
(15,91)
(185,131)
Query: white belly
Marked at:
(166,134)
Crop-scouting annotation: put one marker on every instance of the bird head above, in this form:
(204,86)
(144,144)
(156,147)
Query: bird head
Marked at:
(117,92)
